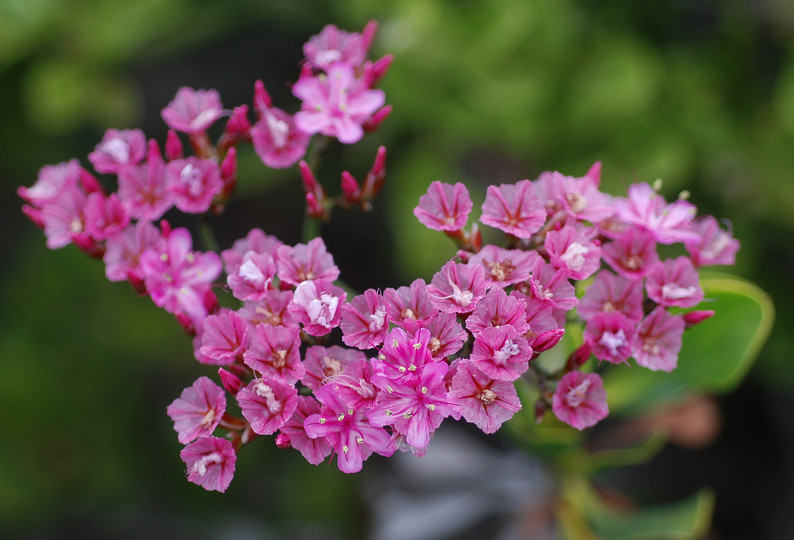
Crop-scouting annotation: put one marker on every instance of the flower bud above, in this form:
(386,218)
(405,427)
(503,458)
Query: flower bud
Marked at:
(230,381)
(173,146)
(696,317)
(547,340)
(262,99)
(282,440)
(350,190)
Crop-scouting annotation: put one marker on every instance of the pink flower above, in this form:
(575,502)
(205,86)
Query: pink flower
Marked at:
(223,340)
(364,320)
(571,249)
(632,254)
(500,353)
(483,401)
(674,282)
(645,208)
(611,292)
(610,336)
(313,450)
(275,351)
(276,139)
(198,410)
(210,463)
(402,357)
(324,363)
(447,336)
(355,384)
(123,252)
(333,45)
(118,148)
(580,399)
(143,188)
(104,216)
(714,246)
(317,305)
(193,111)
(179,279)
(445,207)
(347,430)
(64,218)
(551,285)
(577,197)
(409,307)
(193,182)
(658,340)
(253,277)
(336,104)
(267,403)
(497,309)
(52,179)
(504,267)
(272,308)
(514,209)
(456,288)
(305,262)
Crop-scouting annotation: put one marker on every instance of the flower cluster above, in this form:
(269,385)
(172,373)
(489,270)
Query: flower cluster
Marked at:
(330,372)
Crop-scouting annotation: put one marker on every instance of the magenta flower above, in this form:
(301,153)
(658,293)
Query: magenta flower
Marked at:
(714,246)
(210,463)
(674,282)
(333,45)
(317,305)
(143,188)
(193,111)
(402,357)
(64,218)
(409,307)
(52,179)
(645,208)
(483,401)
(272,309)
(193,182)
(504,267)
(223,340)
(117,149)
(325,363)
(580,399)
(123,252)
(611,292)
(336,104)
(632,254)
(577,197)
(658,340)
(571,249)
(267,403)
(497,309)
(177,278)
(500,353)
(364,320)
(198,410)
(551,285)
(348,431)
(610,336)
(447,336)
(305,262)
(355,384)
(276,139)
(456,288)
(253,277)
(514,209)
(414,408)
(104,216)
(313,450)
(274,351)
(445,207)
(256,240)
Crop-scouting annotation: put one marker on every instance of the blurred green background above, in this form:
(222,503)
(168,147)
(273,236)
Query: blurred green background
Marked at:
(699,94)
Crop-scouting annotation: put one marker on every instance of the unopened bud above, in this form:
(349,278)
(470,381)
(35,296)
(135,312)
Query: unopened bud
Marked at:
(309,182)
(374,121)
(696,317)
(89,183)
(173,146)
(540,411)
(238,124)
(282,440)
(313,207)
(262,99)
(547,340)
(230,381)
(229,167)
(580,356)
(369,33)
(350,190)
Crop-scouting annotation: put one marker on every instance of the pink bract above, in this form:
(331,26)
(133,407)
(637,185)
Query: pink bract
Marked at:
(304,262)
(193,182)
(224,338)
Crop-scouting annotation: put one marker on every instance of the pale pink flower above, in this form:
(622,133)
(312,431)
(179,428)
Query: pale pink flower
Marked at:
(267,403)
(632,254)
(276,139)
(514,209)
(580,399)
(117,149)
(669,223)
(571,249)
(274,351)
(323,363)
(456,288)
(610,336)
(123,252)
(313,450)
(210,463)
(714,245)
(193,111)
(193,182)
(335,103)
(674,282)
(497,309)
(504,267)
(365,320)
(143,188)
(303,262)
(500,353)
(445,207)
(223,340)
(317,305)
(198,410)
(483,401)
(611,292)
(658,340)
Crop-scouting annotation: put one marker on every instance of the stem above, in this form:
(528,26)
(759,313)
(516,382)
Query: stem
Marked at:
(310,229)
(207,234)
